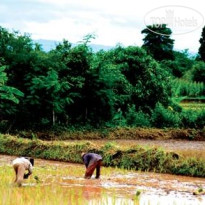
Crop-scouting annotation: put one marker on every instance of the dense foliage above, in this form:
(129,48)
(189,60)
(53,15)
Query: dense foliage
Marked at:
(7,92)
(158,43)
(72,85)
(202,45)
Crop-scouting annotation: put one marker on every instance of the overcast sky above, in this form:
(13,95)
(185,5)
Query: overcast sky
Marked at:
(112,21)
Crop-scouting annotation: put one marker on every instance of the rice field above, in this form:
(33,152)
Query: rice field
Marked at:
(54,183)
(193,106)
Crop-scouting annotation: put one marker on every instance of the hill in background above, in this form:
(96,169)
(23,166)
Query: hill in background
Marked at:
(48,45)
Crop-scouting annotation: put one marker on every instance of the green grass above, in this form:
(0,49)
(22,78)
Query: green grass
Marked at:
(182,87)
(136,158)
(193,106)
(53,189)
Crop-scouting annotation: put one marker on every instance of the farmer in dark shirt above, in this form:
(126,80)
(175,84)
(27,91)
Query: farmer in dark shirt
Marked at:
(92,161)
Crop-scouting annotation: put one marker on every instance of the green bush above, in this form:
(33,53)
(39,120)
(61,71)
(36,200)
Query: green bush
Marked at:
(201,119)
(190,166)
(3,125)
(162,117)
(193,118)
(199,72)
(189,118)
(182,87)
(137,119)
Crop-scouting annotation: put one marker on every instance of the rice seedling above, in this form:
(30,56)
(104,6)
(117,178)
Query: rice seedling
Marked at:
(55,184)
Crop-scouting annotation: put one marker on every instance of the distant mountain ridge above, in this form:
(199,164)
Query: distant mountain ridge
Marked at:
(48,45)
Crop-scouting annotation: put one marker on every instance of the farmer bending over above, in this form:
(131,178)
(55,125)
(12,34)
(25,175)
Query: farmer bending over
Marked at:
(92,161)
(20,165)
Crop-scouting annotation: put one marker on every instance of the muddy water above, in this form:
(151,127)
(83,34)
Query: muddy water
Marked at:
(159,189)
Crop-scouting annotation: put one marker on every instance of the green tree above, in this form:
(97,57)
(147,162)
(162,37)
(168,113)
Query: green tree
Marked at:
(157,42)
(22,60)
(118,88)
(8,92)
(181,64)
(149,82)
(52,92)
(9,96)
(105,82)
(49,86)
(202,45)
(198,72)
(16,50)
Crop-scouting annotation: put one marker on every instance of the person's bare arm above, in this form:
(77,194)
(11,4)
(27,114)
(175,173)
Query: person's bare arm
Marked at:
(29,172)
(30,169)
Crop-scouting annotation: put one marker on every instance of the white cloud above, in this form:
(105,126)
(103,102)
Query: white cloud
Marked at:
(113,21)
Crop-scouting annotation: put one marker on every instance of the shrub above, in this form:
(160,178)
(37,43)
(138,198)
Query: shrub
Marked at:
(162,117)
(201,119)
(182,87)
(137,119)
(193,118)
(199,72)
(189,118)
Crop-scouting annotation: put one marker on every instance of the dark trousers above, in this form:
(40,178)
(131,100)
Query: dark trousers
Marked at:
(91,168)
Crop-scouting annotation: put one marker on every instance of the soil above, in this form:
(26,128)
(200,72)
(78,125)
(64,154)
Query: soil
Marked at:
(153,188)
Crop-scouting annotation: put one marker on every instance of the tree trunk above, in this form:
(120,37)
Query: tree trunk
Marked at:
(54,118)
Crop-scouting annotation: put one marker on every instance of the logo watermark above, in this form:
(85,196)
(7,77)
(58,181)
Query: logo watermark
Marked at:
(180,19)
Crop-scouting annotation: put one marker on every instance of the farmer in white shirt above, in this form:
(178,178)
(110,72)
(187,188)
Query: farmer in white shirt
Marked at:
(20,165)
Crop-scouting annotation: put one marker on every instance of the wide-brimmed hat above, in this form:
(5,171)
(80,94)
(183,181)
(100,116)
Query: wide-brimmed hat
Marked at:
(82,154)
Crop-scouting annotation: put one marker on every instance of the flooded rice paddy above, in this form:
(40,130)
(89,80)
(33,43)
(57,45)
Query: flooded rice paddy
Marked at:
(56,182)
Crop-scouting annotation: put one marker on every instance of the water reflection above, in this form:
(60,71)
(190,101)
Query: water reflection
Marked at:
(89,192)
(170,199)
(107,191)
(115,188)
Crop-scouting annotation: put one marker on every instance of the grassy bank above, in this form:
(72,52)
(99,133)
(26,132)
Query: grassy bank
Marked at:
(137,158)
(116,133)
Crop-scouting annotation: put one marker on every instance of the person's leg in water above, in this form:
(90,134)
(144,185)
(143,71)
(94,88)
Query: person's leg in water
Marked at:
(90,169)
(16,171)
(20,174)
(99,164)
